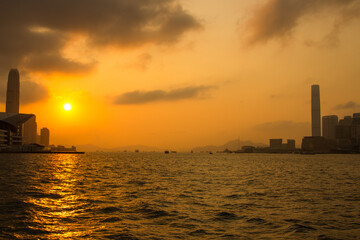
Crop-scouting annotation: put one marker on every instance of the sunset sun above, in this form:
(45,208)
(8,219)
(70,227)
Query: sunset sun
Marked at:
(67,107)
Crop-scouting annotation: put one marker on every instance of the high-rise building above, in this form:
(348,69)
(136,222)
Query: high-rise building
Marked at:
(45,137)
(356,115)
(29,130)
(329,124)
(315,111)
(276,144)
(290,144)
(13,92)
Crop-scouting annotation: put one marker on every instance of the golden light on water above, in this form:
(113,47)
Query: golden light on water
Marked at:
(60,202)
(67,107)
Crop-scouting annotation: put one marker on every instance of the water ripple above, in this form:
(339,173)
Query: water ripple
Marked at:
(179,196)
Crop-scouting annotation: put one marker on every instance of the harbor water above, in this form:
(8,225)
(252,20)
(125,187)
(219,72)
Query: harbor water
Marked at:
(179,196)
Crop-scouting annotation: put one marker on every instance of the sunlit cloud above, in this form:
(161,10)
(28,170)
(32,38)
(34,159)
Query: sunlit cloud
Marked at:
(142,97)
(275,19)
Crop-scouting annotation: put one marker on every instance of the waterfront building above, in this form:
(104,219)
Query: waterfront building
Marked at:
(276,144)
(355,131)
(316,144)
(356,115)
(329,124)
(13,92)
(343,129)
(315,111)
(45,137)
(290,144)
(20,128)
(348,133)
(3,138)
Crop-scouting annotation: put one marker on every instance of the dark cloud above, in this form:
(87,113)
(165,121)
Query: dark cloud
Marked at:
(347,106)
(55,63)
(139,97)
(278,18)
(34,33)
(31,92)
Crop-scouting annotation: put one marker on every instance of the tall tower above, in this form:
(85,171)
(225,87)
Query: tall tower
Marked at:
(13,92)
(315,111)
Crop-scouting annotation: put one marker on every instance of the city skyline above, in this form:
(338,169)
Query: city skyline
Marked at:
(207,73)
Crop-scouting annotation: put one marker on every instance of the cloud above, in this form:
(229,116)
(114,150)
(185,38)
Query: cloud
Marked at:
(140,97)
(32,92)
(348,105)
(278,18)
(35,33)
(142,62)
(56,63)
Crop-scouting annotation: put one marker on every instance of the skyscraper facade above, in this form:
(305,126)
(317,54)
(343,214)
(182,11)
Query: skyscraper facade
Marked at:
(329,124)
(315,111)
(29,130)
(45,137)
(13,92)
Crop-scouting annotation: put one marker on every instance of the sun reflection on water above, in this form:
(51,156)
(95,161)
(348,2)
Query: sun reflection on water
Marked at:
(57,202)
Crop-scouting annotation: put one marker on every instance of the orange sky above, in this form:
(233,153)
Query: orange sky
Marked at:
(202,72)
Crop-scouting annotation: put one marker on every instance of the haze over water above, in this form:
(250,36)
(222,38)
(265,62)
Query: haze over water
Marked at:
(179,196)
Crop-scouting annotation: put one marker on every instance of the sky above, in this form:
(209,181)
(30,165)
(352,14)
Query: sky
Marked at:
(179,74)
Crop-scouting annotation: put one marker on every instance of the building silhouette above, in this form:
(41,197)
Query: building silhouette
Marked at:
(315,142)
(329,124)
(337,136)
(16,128)
(19,128)
(13,92)
(348,132)
(277,145)
(315,111)
(18,131)
(45,137)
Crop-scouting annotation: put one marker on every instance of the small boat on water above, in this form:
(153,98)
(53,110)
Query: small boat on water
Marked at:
(166,152)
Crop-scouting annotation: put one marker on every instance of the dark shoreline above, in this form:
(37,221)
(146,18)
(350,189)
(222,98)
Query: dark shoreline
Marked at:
(42,152)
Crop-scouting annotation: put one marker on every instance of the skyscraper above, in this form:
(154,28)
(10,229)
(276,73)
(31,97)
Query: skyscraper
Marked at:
(329,124)
(13,92)
(45,137)
(315,111)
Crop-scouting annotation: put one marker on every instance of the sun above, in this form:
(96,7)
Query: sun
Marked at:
(67,107)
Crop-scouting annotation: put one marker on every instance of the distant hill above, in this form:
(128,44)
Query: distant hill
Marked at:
(231,145)
(132,148)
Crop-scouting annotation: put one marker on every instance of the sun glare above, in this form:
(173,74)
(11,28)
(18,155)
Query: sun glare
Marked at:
(67,107)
